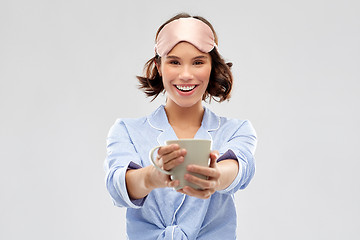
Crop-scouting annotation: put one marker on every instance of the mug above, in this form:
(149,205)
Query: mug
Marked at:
(197,153)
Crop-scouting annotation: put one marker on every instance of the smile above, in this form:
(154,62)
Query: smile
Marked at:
(185,88)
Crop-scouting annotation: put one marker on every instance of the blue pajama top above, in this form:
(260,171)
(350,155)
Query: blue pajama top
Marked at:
(165,213)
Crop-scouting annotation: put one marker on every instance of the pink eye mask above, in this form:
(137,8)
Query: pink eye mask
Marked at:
(189,30)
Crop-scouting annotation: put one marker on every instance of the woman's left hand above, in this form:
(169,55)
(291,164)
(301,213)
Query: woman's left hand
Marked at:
(209,185)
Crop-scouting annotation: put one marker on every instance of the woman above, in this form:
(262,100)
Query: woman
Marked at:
(188,67)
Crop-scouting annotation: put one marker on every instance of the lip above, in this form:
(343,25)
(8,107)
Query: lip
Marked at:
(185,85)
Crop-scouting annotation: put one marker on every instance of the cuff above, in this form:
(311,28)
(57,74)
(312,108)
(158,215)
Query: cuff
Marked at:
(229,154)
(132,203)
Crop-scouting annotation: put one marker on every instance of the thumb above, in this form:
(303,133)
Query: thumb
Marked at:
(213,156)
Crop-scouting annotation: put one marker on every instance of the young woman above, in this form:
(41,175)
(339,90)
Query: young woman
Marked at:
(188,67)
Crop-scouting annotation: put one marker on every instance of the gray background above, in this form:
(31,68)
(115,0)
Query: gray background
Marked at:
(67,72)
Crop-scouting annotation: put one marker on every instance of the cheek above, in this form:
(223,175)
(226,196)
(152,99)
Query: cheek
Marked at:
(168,78)
(204,75)
(168,72)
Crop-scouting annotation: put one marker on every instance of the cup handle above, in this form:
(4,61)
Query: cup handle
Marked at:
(151,153)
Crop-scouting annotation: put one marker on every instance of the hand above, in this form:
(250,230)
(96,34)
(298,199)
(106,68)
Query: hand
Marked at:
(209,185)
(168,157)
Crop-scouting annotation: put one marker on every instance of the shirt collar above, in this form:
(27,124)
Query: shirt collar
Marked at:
(158,120)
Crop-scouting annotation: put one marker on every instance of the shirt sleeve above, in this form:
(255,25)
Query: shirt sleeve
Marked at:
(121,156)
(241,147)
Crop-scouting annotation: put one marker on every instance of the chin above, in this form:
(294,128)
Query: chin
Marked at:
(187,104)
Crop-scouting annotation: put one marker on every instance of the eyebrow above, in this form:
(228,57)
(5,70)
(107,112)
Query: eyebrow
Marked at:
(197,57)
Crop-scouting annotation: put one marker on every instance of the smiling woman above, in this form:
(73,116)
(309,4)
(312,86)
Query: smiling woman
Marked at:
(221,79)
(188,67)
(185,74)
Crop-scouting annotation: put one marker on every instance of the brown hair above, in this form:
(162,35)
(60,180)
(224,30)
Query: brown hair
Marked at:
(220,82)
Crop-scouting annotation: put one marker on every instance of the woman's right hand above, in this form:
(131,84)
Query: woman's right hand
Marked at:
(169,156)
(140,182)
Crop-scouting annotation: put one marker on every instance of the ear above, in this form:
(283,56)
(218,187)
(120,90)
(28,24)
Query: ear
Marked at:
(158,67)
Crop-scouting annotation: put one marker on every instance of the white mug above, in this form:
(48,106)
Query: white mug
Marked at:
(197,153)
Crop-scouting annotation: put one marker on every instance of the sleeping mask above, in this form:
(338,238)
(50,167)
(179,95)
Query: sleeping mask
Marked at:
(189,30)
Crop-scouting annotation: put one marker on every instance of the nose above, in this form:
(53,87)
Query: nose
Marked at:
(186,74)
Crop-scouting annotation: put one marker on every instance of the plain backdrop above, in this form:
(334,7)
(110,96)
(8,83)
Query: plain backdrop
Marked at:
(67,71)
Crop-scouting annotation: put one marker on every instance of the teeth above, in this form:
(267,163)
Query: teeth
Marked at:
(185,88)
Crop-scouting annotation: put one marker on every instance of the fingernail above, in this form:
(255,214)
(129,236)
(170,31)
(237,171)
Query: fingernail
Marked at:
(175,183)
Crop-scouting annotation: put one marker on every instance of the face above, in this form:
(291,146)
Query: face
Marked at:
(185,73)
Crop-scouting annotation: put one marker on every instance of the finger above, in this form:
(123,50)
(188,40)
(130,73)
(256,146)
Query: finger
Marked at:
(180,191)
(206,171)
(216,152)
(203,194)
(163,150)
(202,183)
(173,155)
(173,184)
(173,163)
(214,155)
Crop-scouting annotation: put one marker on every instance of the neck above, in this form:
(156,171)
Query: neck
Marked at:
(184,116)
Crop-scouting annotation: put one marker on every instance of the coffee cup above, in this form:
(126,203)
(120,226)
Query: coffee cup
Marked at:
(197,153)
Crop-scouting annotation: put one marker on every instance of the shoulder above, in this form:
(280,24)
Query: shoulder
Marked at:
(131,125)
(230,125)
(131,122)
(238,127)
(236,123)
(124,125)
(228,128)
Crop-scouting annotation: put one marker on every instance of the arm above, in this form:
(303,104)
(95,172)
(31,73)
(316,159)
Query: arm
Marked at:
(137,182)
(127,181)
(122,157)
(228,169)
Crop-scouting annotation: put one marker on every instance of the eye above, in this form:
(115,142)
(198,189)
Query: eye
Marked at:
(174,62)
(198,62)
